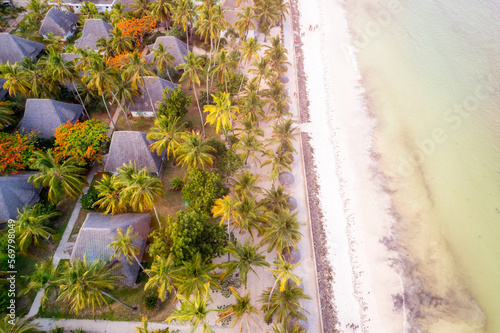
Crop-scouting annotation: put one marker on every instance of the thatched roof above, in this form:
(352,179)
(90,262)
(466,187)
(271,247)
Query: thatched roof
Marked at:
(92,30)
(152,94)
(45,115)
(15,48)
(3,92)
(130,146)
(58,22)
(69,56)
(177,48)
(16,192)
(96,234)
(231,16)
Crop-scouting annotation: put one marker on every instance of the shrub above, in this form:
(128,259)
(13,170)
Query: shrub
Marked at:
(79,330)
(16,151)
(229,163)
(170,73)
(176,32)
(203,99)
(89,199)
(150,301)
(174,103)
(176,184)
(202,188)
(57,330)
(233,85)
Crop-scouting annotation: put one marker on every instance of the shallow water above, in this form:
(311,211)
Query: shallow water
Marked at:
(431,72)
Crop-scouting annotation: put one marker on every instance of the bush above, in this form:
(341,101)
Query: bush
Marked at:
(188,125)
(16,151)
(176,32)
(229,163)
(219,146)
(150,301)
(233,85)
(89,199)
(57,330)
(176,184)
(79,330)
(174,74)
(44,144)
(203,99)
(202,188)
(174,103)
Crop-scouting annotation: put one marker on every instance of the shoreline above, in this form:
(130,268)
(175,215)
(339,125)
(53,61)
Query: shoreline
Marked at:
(358,262)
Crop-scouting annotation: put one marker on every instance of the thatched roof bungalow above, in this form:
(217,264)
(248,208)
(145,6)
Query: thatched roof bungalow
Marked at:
(14,49)
(16,192)
(59,23)
(92,30)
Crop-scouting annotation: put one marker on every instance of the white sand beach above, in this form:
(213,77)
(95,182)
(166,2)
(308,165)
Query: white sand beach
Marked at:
(356,214)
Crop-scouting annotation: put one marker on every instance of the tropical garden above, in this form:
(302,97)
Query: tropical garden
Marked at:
(224,229)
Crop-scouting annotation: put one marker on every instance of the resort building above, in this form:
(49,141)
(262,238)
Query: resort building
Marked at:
(97,232)
(146,105)
(45,115)
(177,48)
(62,24)
(132,146)
(14,49)
(15,193)
(92,30)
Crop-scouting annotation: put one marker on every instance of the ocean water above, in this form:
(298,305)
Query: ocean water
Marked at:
(431,73)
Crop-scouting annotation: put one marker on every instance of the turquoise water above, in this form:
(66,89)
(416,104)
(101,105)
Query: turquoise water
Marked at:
(431,72)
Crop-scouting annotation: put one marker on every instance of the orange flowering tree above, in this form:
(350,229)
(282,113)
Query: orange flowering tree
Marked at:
(16,151)
(119,61)
(83,140)
(137,28)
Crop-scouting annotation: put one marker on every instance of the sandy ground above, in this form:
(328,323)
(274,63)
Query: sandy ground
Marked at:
(357,264)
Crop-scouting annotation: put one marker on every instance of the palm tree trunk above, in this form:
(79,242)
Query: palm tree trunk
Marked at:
(117,300)
(271,293)
(109,114)
(156,213)
(150,99)
(199,108)
(209,65)
(123,110)
(140,265)
(80,99)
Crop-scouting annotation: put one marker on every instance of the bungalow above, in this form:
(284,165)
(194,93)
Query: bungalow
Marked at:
(92,30)
(14,49)
(59,23)
(177,48)
(231,16)
(45,115)
(146,105)
(76,5)
(132,146)
(97,232)
(16,192)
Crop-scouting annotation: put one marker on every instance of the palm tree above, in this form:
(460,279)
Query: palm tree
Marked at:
(30,226)
(83,284)
(161,10)
(241,309)
(119,42)
(282,8)
(184,14)
(100,77)
(16,80)
(249,127)
(244,184)
(247,256)
(195,152)
(283,135)
(284,304)
(280,161)
(275,91)
(142,191)
(163,59)
(250,50)
(124,244)
(193,68)
(260,70)
(63,72)
(122,92)
(253,107)
(144,328)
(245,21)
(106,47)
(139,8)
(65,178)
(88,10)
(277,55)
(109,195)
(282,231)
(43,277)
(276,199)
(194,309)
(280,110)
(250,145)
(266,12)
(283,273)
(248,214)
(119,13)
(221,112)
(38,8)
(160,275)
(21,325)
(195,277)
(224,68)
(6,114)
(225,208)
(167,135)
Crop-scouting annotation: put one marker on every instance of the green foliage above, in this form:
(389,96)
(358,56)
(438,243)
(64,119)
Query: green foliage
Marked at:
(160,242)
(170,73)
(89,199)
(202,188)
(229,163)
(233,85)
(150,301)
(176,184)
(230,281)
(203,99)
(16,151)
(79,330)
(44,144)
(57,330)
(174,104)
(176,32)
(194,232)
